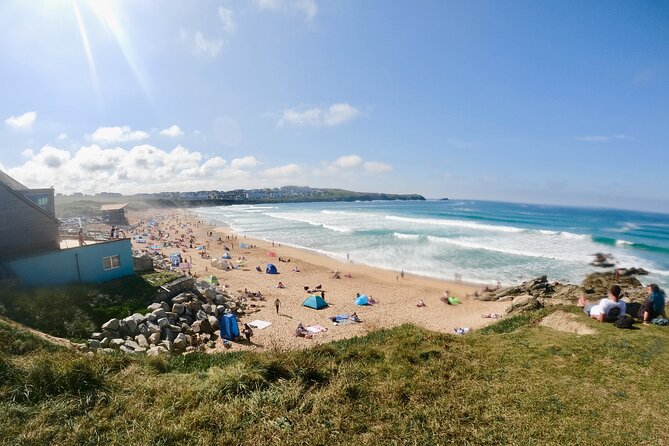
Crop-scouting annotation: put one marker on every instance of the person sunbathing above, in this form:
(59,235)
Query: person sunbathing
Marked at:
(302,332)
(602,310)
(421,303)
(354,317)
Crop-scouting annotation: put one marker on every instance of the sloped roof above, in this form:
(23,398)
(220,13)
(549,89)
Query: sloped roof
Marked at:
(11,182)
(112,207)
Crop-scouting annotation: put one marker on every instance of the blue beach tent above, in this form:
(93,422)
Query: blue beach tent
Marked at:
(271,269)
(362,300)
(175,259)
(315,302)
(229,327)
(226,255)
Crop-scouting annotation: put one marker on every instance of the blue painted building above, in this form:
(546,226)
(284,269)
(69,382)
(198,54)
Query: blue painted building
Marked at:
(84,264)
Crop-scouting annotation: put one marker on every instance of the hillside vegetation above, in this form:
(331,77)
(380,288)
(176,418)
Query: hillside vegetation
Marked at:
(513,383)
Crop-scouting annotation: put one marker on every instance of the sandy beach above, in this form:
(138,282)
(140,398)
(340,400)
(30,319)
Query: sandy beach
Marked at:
(396,296)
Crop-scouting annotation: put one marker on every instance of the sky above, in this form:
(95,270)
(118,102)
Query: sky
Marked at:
(525,101)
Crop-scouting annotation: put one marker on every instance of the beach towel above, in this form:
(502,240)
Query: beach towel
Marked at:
(341,317)
(316,329)
(259,324)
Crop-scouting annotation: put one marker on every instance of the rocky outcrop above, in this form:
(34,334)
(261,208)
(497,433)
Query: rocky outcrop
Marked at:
(185,322)
(540,292)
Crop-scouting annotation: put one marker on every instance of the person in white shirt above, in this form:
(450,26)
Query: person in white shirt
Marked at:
(600,311)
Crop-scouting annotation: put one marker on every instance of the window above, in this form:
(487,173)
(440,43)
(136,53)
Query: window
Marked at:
(111,262)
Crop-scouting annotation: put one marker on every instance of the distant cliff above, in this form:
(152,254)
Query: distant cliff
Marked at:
(80,204)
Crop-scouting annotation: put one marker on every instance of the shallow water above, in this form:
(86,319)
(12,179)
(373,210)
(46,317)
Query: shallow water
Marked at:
(480,240)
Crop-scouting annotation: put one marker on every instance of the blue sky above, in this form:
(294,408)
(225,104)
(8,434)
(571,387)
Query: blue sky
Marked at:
(531,101)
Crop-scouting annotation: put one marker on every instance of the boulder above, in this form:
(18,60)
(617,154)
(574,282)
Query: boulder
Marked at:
(156,351)
(130,325)
(94,344)
(209,294)
(111,325)
(163,322)
(151,317)
(160,313)
(142,341)
(202,326)
(132,344)
(178,309)
(181,298)
(125,349)
(98,336)
(165,306)
(116,343)
(213,321)
(180,342)
(167,334)
(524,303)
(201,315)
(153,328)
(143,330)
(154,338)
(105,342)
(111,334)
(154,306)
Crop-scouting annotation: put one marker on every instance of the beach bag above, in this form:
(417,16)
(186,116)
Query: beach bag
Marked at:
(624,321)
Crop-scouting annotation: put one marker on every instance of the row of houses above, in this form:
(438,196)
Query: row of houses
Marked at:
(30,244)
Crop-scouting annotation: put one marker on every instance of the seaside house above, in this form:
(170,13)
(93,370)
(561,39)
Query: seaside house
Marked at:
(114,213)
(30,245)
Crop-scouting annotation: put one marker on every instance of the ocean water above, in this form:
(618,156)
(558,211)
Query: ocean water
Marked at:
(480,240)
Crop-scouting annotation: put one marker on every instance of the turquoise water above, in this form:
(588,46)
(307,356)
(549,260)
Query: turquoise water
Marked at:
(480,240)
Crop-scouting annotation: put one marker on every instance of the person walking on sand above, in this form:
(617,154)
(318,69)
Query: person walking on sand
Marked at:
(81,237)
(277,304)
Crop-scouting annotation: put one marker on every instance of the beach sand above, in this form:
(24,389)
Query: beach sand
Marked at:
(396,296)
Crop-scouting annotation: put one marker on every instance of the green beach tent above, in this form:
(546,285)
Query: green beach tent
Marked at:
(212,280)
(315,302)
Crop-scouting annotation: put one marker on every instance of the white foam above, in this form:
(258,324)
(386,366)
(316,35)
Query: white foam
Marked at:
(403,236)
(455,223)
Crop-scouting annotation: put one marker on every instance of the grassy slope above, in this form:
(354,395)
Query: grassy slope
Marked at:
(516,384)
(75,311)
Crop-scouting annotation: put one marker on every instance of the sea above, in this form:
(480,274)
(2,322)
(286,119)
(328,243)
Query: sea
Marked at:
(481,242)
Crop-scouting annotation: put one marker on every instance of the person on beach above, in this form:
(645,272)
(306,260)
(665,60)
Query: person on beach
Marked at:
(277,304)
(355,318)
(653,305)
(302,332)
(421,303)
(81,237)
(602,310)
(281,285)
(111,232)
(247,332)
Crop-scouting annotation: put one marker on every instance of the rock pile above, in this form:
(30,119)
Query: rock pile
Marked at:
(187,322)
(537,293)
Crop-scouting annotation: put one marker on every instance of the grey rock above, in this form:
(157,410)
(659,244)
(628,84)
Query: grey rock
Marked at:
(125,349)
(163,322)
(153,328)
(142,341)
(140,350)
(105,342)
(178,309)
(151,317)
(130,325)
(165,306)
(98,336)
(202,326)
(201,315)
(154,338)
(181,298)
(210,294)
(94,344)
(132,344)
(167,334)
(154,306)
(213,321)
(160,313)
(111,325)
(175,328)
(116,343)
(524,303)
(180,342)
(143,329)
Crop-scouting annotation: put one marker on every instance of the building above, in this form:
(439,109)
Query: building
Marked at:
(114,213)
(30,250)
(28,223)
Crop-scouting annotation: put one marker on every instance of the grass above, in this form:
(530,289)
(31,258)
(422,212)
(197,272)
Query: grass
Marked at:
(75,311)
(518,383)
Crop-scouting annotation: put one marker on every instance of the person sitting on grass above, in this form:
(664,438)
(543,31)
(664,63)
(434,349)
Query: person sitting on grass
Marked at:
(602,310)
(653,306)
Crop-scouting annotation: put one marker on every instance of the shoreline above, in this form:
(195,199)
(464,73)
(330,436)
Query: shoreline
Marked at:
(397,296)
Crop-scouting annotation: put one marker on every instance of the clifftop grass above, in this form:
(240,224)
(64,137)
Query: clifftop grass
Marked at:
(518,384)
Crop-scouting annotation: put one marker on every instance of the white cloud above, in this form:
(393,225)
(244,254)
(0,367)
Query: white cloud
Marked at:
(24,121)
(244,163)
(172,131)
(351,164)
(28,153)
(289,172)
(377,167)
(62,136)
(346,162)
(334,115)
(338,113)
(602,138)
(306,7)
(117,134)
(208,47)
(150,169)
(227,21)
